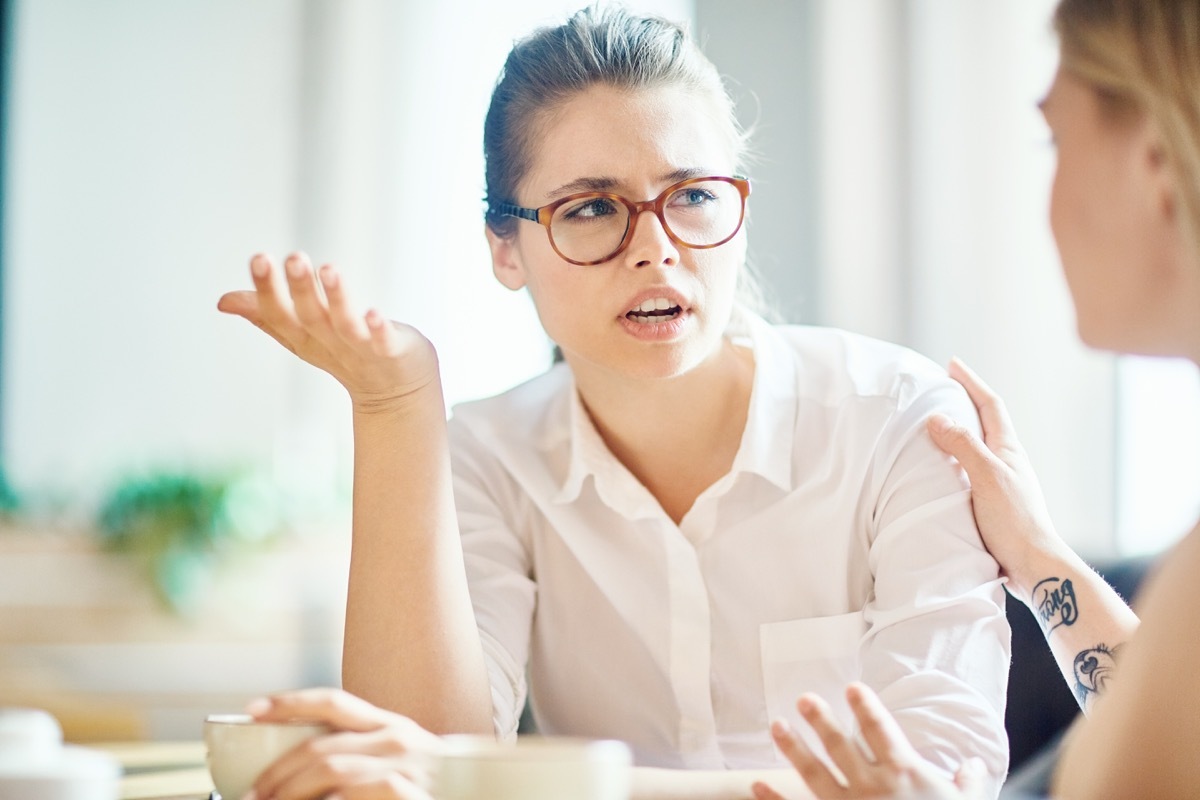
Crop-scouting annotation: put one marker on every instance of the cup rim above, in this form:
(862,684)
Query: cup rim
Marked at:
(248,720)
(531,748)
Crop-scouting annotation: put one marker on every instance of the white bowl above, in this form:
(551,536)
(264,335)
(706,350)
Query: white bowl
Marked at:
(532,768)
(35,765)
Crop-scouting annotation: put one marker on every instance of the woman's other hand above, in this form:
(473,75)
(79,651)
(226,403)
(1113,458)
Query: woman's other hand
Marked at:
(892,768)
(371,753)
(1007,499)
(310,313)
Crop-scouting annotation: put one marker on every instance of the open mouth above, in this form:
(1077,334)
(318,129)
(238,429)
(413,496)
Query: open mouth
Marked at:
(654,312)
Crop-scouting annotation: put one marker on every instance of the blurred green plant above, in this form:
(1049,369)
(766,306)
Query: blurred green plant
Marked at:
(10,503)
(181,527)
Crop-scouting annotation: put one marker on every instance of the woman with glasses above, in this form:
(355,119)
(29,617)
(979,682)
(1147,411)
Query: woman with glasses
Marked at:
(694,517)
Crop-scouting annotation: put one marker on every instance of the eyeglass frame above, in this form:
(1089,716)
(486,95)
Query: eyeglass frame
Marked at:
(545,214)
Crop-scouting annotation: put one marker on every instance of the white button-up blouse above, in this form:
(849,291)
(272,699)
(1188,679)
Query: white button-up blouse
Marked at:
(840,546)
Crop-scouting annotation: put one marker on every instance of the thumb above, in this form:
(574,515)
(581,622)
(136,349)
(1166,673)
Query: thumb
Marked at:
(956,440)
(338,709)
(970,777)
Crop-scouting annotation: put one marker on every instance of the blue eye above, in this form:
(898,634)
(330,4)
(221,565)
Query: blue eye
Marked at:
(693,196)
(591,208)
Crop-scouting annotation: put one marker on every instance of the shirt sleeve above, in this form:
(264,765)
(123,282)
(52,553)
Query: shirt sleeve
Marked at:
(937,646)
(503,592)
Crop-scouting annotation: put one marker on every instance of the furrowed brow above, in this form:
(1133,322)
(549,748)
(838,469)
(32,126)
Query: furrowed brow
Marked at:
(584,185)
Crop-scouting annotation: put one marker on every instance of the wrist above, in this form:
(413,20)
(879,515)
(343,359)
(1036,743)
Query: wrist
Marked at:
(410,399)
(1054,560)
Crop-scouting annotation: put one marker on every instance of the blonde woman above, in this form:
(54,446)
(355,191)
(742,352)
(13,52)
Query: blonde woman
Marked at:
(1124,109)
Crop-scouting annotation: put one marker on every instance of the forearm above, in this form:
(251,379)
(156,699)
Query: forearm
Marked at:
(1085,621)
(675,784)
(411,643)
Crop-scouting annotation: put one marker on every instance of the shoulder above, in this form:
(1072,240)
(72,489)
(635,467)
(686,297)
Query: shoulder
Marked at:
(834,366)
(532,413)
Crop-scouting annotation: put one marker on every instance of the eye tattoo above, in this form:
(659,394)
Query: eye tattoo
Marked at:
(1093,669)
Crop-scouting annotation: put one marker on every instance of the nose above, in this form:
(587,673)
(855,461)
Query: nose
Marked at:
(649,243)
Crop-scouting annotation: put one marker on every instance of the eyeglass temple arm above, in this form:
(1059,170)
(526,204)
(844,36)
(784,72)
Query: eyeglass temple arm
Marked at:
(511,210)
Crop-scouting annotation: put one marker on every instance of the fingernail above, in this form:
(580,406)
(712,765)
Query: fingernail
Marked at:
(807,705)
(258,267)
(780,727)
(328,277)
(258,706)
(293,266)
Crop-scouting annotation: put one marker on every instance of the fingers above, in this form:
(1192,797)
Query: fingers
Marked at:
(970,777)
(319,777)
(971,452)
(342,314)
(388,787)
(993,416)
(307,296)
(845,754)
(241,303)
(327,762)
(816,774)
(762,791)
(384,337)
(338,709)
(879,728)
(274,304)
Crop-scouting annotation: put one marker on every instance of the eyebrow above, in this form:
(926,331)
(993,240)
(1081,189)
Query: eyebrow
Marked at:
(606,184)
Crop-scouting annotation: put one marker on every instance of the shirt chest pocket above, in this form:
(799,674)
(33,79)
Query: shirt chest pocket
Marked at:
(819,655)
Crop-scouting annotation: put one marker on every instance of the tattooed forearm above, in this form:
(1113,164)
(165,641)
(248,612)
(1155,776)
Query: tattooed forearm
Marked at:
(1055,604)
(1093,669)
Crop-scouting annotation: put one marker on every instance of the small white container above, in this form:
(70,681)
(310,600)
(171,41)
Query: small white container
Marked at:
(36,765)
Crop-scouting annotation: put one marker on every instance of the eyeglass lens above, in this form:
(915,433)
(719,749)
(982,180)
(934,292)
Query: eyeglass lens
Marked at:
(591,227)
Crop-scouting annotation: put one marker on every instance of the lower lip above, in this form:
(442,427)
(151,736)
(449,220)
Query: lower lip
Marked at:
(656,331)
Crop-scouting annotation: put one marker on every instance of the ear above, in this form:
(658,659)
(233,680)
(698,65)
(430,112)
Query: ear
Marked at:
(1161,178)
(506,260)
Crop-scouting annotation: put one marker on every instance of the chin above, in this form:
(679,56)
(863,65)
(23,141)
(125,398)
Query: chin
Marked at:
(1141,341)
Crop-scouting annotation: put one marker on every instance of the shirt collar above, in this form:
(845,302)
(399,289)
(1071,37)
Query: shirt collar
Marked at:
(767,442)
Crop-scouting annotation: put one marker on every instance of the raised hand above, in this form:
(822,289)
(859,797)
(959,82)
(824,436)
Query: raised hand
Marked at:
(1005,494)
(310,313)
(372,753)
(892,768)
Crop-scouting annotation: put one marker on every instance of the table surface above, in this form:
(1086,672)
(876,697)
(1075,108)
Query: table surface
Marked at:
(161,770)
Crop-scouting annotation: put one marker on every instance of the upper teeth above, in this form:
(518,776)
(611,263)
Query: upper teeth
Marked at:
(657,304)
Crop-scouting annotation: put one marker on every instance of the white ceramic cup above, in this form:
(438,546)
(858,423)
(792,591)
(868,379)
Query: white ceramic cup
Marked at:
(532,768)
(239,748)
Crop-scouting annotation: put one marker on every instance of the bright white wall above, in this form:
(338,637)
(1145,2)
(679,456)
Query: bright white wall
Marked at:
(154,146)
(1158,452)
(986,282)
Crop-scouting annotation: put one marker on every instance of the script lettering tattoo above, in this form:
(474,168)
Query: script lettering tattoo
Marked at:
(1055,602)
(1093,669)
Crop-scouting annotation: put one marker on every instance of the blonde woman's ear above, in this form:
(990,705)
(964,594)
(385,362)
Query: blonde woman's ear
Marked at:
(506,261)
(1160,173)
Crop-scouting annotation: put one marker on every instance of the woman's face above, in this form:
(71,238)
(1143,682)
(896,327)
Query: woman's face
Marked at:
(1113,220)
(634,144)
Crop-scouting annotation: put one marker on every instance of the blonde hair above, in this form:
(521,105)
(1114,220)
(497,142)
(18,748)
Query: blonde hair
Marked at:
(1142,57)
